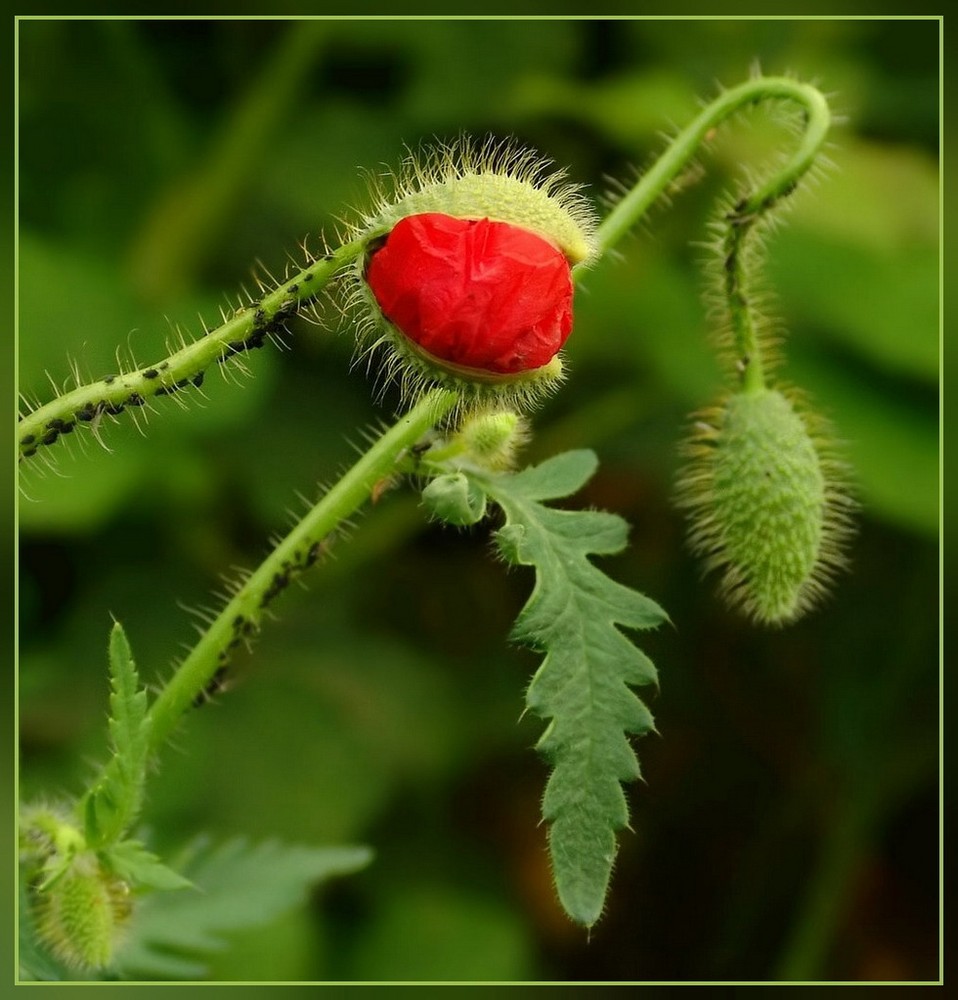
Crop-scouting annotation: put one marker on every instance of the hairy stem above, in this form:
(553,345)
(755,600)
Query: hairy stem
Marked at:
(747,211)
(241,617)
(246,330)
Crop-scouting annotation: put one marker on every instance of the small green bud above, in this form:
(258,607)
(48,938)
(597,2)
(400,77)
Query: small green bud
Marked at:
(491,439)
(766,507)
(80,914)
(454,499)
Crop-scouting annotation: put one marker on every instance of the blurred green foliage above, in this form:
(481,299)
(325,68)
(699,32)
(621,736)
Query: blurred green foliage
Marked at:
(789,824)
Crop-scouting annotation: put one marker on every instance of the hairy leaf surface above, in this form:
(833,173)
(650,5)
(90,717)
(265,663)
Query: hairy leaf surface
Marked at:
(583,686)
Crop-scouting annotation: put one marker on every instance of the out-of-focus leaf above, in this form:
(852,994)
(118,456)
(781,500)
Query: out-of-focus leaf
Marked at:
(891,445)
(348,721)
(648,311)
(880,196)
(883,307)
(72,309)
(288,949)
(629,108)
(238,886)
(433,933)
(858,260)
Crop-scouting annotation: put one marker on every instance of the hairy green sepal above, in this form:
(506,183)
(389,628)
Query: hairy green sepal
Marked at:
(574,617)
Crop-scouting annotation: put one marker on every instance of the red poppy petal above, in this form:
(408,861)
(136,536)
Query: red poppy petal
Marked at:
(479,294)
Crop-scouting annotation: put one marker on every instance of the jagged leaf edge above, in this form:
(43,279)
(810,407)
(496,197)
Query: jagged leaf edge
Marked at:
(110,807)
(516,494)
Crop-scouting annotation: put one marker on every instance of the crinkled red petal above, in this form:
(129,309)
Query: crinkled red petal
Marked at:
(479,294)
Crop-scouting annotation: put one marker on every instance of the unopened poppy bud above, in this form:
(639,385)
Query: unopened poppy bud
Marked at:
(474,294)
(767,503)
(492,439)
(467,276)
(81,914)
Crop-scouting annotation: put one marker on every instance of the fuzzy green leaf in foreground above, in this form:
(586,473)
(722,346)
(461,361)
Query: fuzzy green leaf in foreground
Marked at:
(583,685)
(238,885)
(112,805)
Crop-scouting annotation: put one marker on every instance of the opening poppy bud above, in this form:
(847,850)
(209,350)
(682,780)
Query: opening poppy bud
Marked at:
(467,279)
(473,293)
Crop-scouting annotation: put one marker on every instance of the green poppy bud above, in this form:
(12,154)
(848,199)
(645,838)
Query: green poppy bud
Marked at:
(82,912)
(766,502)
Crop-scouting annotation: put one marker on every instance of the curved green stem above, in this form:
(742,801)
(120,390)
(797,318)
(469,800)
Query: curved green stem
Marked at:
(241,617)
(747,211)
(246,330)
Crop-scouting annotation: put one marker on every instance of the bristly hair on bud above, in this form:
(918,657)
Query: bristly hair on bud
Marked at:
(466,278)
(492,439)
(768,501)
(82,914)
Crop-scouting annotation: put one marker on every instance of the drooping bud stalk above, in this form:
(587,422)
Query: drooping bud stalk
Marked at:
(466,280)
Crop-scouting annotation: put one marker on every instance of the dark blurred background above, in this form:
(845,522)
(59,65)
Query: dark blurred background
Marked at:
(789,826)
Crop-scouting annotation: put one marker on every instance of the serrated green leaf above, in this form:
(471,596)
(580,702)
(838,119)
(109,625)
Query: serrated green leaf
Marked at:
(583,685)
(112,805)
(237,885)
(556,477)
(141,868)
